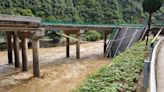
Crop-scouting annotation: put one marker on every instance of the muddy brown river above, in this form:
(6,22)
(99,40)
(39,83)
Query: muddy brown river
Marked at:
(59,74)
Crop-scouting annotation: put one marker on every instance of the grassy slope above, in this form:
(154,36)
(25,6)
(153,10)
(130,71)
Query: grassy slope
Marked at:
(121,76)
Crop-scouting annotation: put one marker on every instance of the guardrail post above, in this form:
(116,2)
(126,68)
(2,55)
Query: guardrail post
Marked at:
(147,67)
(146,73)
(151,50)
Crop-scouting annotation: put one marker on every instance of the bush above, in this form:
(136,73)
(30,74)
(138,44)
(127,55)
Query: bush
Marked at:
(121,76)
(54,36)
(92,35)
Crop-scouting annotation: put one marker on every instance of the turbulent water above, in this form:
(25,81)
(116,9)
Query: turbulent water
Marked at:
(58,74)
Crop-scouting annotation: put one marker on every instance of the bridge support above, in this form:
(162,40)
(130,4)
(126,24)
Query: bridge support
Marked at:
(23,27)
(105,42)
(34,36)
(78,45)
(16,50)
(9,47)
(67,47)
(77,33)
(24,45)
(35,49)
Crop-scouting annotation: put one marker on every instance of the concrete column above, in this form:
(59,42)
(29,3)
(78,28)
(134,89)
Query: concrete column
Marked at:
(67,47)
(105,44)
(9,48)
(36,66)
(78,45)
(24,54)
(16,50)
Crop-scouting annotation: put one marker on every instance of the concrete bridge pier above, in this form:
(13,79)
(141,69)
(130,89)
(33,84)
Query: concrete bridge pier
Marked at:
(78,45)
(67,47)
(24,45)
(35,49)
(34,36)
(16,50)
(77,33)
(105,41)
(9,47)
(22,27)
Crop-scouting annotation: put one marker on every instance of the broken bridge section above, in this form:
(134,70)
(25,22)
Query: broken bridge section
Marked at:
(21,28)
(18,30)
(122,39)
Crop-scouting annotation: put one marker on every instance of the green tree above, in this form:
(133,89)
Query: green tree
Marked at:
(131,10)
(151,6)
(111,11)
(89,10)
(54,35)
(71,12)
(94,11)
(92,35)
(99,11)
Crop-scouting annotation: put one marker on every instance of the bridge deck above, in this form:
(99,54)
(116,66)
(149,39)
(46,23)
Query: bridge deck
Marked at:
(160,69)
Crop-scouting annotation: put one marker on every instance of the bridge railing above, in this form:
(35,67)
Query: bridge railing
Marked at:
(97,24)
(153,81)
(150,64)
(45,22)
(153,59)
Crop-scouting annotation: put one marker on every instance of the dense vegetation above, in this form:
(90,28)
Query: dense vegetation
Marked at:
(101,11)
(92,11)
(121,76)
(92,35)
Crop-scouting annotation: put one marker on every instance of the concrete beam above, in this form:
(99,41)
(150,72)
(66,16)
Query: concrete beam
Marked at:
(71,32)
(17,18)
(19,29)
(32,34)
(25,34)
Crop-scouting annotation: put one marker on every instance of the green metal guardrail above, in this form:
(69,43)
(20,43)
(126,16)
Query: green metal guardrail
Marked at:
(45,22)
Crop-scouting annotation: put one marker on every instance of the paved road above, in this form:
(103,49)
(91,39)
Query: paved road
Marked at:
(160,69)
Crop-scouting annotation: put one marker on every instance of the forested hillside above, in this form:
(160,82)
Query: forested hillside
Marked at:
(101,11)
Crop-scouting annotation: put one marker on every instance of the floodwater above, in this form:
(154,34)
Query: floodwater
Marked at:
(58,74)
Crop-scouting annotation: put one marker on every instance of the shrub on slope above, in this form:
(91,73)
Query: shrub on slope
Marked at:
(121,76)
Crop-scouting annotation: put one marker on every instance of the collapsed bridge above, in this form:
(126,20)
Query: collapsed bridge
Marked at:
(24,27)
